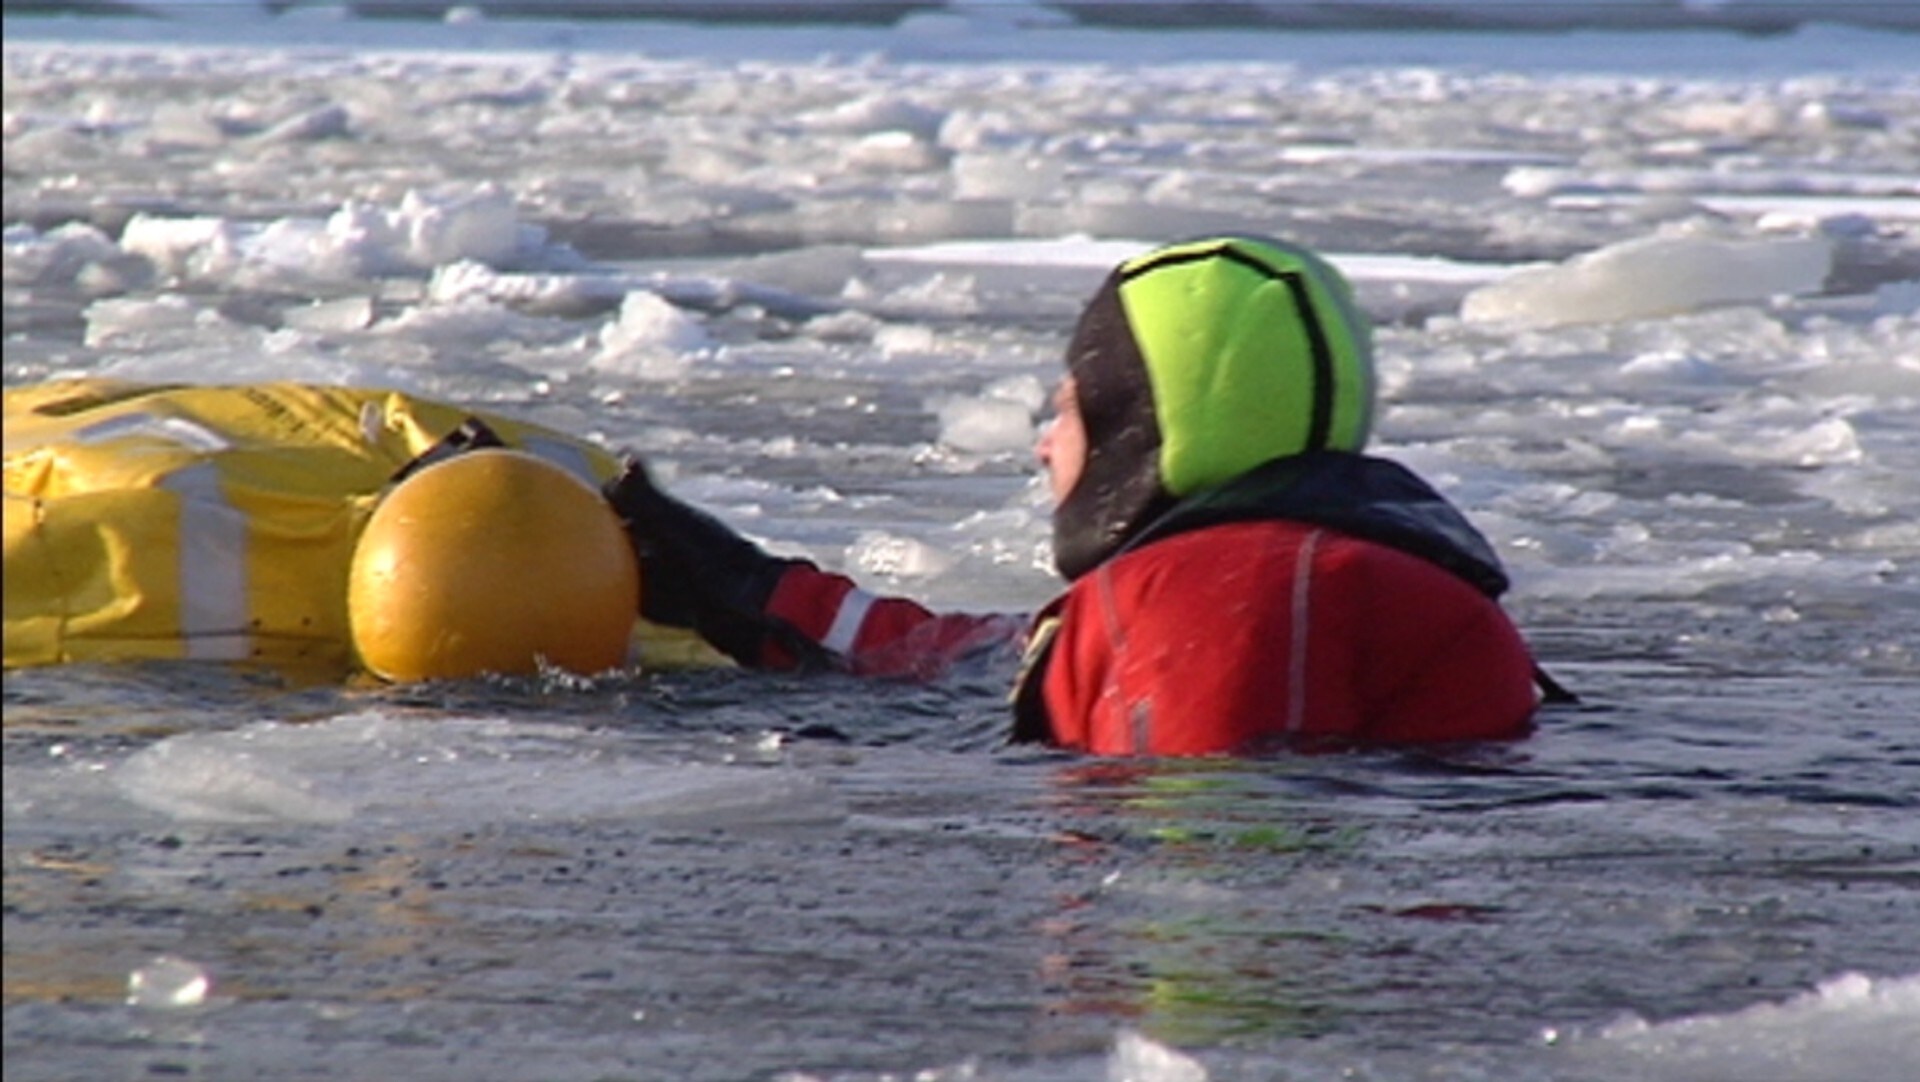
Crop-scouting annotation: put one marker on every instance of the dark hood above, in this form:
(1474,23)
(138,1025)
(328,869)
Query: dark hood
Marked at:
(1196,363)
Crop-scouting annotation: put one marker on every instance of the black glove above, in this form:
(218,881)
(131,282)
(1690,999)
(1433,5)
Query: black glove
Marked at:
(697,573)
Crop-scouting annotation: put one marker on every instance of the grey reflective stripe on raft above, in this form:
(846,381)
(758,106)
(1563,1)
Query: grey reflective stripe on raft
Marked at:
(214,617)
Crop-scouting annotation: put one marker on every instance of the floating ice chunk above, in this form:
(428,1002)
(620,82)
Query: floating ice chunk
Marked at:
(171,313)
(649,339)
(57,256)
(897,221)
(324,122)
(472,326)
(539,294)
(183,247)
(362,235)
(481,226)
(1077,252)
(220,352)
(184,126)
(1852,1026)
(985,426)
(1759,117)
(291,251)
(213,777)
(997,421)
(1669,367)
(893,151)
(1833,114)
(820,270)
(999,175)
(1624,566)
(1136,1058)
(1650,277)
(890,554)
(1534,182)
(846,326)
(1817,217)
(970,129)
(1708,185)
(384,768)
(1897,299)
(42,146)
(432,230)
(359,239)
(1024,390)
(168,983)
(649,320)
(941,294)
(905,339)
(338,316)
(1831,442)
(877,113)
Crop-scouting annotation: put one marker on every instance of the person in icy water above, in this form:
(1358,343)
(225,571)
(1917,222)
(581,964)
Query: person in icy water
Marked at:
(1239,574)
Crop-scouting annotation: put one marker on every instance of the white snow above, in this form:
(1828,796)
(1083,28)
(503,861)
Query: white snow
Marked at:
(1851,1026)
(1138,1058)
(358,240)
(650,338)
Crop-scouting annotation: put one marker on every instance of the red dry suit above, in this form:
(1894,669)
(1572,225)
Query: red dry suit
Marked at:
(1328,598)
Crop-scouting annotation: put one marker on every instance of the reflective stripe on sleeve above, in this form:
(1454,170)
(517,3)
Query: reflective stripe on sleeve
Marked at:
(847,621)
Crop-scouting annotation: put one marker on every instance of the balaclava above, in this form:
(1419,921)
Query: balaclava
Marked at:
(1197,362)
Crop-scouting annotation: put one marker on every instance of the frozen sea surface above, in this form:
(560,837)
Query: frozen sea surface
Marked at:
(1648,308)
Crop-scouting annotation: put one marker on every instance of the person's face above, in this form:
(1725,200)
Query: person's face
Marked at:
(1062,447)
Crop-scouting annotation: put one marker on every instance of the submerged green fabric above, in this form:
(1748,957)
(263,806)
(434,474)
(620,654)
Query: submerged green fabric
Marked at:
(1253,352)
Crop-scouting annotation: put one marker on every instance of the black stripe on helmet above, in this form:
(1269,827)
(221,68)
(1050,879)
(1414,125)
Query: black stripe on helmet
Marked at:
(1320,424)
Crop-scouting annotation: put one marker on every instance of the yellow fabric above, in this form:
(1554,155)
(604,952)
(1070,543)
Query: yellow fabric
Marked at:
(218,522)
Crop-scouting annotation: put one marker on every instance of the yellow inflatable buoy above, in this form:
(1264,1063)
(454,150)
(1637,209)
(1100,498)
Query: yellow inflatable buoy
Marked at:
(494,561)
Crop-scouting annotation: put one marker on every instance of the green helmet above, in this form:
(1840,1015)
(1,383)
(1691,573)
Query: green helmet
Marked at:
(1197,362)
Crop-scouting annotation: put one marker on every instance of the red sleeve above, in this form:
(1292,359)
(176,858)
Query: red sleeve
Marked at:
(875,635)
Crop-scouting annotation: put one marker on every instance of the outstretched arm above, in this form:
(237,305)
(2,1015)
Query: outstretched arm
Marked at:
(768,612)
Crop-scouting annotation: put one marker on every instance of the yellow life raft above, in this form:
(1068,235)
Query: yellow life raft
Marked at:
(219,522)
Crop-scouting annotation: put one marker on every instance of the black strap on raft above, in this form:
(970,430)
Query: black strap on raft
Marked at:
(472,435)
(1552,691)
